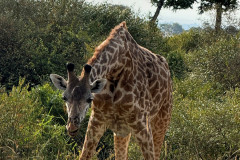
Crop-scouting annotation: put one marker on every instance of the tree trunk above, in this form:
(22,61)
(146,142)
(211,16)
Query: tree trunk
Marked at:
(218,21)
(159,7)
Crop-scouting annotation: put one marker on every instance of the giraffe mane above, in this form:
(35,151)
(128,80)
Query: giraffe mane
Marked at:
(100,48)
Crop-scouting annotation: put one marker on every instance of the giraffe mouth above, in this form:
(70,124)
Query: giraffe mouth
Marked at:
(73,133)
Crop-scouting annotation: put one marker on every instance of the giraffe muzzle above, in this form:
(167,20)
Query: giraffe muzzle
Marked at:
(72,130)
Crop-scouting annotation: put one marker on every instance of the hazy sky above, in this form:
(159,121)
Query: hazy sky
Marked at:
(187,17)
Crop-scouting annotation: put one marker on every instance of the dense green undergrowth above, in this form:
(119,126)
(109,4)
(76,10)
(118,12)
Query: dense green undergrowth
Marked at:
(205,124)
(204,66)
(28,129)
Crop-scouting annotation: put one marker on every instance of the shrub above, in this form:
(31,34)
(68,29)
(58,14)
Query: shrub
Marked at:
(51,101)
(220,61)
(35,45)
(176,64)
(41,36)
(134,150)
(204,126)
(186,41)
(26,131)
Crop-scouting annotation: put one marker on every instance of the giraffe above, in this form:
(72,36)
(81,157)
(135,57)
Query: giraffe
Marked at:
(131,93)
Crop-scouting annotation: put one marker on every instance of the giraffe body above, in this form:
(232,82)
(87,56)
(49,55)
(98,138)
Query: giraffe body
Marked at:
(136,98)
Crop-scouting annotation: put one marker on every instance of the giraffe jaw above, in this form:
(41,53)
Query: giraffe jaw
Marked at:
(73,133)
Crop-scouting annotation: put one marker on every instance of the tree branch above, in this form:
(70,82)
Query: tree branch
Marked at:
(159,7)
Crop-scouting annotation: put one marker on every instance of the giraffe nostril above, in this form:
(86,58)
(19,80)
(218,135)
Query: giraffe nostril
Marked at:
(76,120)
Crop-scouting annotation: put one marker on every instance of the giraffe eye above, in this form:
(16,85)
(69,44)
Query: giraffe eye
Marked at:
(89,100)
(64,98)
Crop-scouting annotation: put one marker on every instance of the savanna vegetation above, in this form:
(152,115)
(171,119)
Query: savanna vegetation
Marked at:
(38,38)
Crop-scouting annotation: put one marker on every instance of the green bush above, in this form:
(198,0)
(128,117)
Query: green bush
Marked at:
(204,125)
(39,37)
(187,41)
(177,64)
(34,44)
(220,61)
(52,102)
(134,150)
(26,131)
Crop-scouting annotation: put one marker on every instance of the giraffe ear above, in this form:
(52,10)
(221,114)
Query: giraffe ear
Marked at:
(58,81)
(98,85)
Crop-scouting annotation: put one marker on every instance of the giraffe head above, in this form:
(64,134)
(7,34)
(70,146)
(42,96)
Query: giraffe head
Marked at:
(78,94)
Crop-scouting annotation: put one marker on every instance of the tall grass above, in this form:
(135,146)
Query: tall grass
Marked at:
(27,131)
(205,123)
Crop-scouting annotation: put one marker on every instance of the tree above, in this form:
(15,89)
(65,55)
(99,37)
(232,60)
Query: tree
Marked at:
(177,28)
(205,5)
(220,6)
(171,29)
(174,4)
(159,7)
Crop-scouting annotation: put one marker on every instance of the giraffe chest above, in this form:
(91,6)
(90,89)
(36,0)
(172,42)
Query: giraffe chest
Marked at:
(119,126)
(118,119)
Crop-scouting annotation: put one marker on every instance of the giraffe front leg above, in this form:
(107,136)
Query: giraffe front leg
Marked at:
(121,146)
(94,133)
(145,141)
(144,137)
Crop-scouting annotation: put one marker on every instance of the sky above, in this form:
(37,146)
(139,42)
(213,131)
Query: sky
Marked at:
(187,18)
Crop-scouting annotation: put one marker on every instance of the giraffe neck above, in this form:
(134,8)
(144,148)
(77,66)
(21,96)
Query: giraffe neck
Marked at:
(110,57)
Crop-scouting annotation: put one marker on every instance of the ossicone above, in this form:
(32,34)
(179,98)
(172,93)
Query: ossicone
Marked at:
(71,76)
(87,68)
(70,67)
